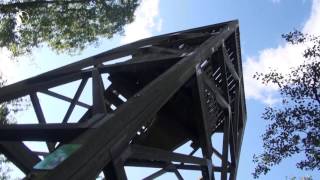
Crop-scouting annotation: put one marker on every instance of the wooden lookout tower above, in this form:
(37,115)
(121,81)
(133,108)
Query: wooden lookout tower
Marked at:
(172,89)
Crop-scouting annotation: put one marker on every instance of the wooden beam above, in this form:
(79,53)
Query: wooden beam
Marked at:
(40,116)
(74,100)
(203,128)
(41,132)
(147,153)
(115,170)
(156,174)
(37,83)
(65,98)
(97,93)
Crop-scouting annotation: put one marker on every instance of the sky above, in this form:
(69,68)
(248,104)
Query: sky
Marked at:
(261,25)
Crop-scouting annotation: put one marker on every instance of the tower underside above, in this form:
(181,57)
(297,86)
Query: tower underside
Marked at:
(172,89)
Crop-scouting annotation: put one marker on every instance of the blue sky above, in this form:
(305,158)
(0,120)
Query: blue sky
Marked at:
(261,24)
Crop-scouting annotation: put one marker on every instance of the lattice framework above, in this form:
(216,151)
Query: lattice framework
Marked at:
(178,87)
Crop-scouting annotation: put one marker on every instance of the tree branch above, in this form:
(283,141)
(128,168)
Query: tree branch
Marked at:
(9,7)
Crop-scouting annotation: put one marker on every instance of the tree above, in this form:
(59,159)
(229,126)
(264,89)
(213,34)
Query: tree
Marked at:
(4,111)
(64,25)
(294,126)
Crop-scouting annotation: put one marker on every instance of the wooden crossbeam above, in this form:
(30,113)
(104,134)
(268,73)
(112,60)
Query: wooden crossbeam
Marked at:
(37,83)
(41,132)
(65,98)
(74,100)
(147,153)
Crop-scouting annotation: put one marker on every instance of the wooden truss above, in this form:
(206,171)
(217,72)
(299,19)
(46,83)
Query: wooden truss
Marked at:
(179,87)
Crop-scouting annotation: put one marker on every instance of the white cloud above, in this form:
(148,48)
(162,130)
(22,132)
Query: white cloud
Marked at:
(16,69)
(147,21)
(281,58)
(312,26)
(7,65)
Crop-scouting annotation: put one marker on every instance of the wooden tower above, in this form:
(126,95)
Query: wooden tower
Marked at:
(173,89)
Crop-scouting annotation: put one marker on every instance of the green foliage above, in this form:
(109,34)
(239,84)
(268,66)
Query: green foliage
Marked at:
(64,25)
(293,127)
(3,114)
(4,111)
